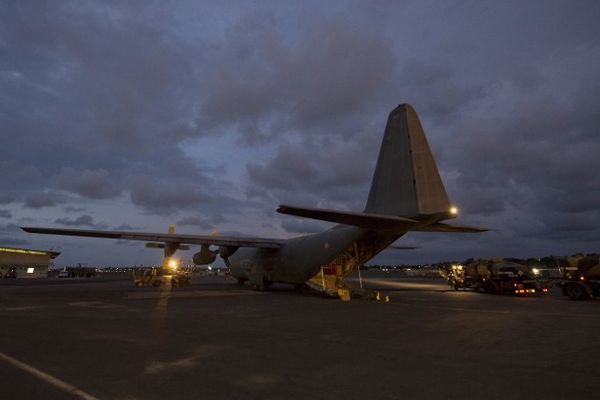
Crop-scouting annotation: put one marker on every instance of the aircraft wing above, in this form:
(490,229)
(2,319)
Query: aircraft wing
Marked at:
(165,237)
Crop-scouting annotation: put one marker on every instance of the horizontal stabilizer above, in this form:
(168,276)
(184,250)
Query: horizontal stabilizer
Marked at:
(441,227)
(363,220)
(378,222)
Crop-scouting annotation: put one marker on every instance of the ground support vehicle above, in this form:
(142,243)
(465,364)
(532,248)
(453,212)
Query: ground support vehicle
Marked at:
(497,276)
(581,276)
(157,277)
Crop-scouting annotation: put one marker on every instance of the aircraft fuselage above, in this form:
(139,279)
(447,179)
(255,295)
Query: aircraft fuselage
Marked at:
(301,258)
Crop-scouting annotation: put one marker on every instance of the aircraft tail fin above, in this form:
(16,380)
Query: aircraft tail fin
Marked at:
(406,181)
(407,193)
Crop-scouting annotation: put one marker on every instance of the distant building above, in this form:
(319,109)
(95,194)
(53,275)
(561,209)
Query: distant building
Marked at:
(25,263)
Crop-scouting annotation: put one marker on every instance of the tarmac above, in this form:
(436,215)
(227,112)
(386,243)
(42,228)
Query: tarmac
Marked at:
(103,339)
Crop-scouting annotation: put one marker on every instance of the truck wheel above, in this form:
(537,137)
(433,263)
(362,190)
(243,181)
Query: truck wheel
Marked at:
(489,287)
(576,291)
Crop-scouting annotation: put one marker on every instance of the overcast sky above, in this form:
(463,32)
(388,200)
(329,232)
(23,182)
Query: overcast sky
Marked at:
(134,115)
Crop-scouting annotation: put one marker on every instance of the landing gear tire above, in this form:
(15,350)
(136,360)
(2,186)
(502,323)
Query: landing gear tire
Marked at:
(576,291)
(259,287)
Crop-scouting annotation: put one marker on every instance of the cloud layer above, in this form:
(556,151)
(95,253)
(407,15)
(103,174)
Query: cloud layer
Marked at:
(145,114)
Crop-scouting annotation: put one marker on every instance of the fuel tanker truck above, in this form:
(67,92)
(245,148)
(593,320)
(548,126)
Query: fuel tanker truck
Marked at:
(495,276)
(581,276)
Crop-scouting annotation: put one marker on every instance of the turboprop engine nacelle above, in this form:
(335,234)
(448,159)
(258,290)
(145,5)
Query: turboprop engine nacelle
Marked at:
(226,251)
(205,256)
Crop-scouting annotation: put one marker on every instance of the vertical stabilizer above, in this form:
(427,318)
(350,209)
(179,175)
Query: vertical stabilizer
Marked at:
(406,181)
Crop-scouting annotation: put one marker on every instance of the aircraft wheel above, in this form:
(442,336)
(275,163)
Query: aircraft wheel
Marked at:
(261,287)
(576,291)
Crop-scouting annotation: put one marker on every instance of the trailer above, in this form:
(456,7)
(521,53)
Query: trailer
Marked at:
(495,276)
(581,276)
(157,277)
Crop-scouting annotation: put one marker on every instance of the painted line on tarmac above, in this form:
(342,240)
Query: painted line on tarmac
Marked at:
(461,309)
(417,286)
(62,385)
(94,304)
(23,308)
(195,293)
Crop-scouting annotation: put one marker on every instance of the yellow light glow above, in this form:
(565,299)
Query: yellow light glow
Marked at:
(453,210)
(173,264)
(535,271)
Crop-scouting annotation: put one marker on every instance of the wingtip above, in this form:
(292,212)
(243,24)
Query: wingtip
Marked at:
(282,208)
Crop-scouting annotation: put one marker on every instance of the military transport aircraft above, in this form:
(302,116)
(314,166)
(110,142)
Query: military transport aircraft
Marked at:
(407,194)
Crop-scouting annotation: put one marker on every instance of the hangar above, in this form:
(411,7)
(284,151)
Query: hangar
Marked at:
(25,263)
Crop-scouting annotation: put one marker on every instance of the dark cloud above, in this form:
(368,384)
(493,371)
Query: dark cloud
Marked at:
(439,92)
(318,172)
(7,198)
(174,196)
(93,184)
(195,221)
(39,200)
(71,209)
(125,227)
(13,242)
(16,175)
(275,89)
(100,110)
(83,220)
(154,111)
(5,214)
(9,228)
(164,197)
(300,226)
